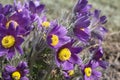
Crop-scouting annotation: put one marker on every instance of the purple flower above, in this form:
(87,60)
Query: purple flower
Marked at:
(81,29)
(99,32)
(16,73)
(22,20)
(97,56)
(66,56)
(97,22)
(57,36)
(97,18)
(35,7)
(6,10)
(89,71)
(10,41)
(43,22)
(82,7)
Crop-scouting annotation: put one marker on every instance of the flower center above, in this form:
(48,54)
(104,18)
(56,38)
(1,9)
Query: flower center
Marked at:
(55,40)
(8,41)
(46,24)
(14,22)
(64,54)
(16,75)
(71,72)
(88,71)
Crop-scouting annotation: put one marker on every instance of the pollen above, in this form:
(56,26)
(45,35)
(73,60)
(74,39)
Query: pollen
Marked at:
(71,72)
(8,41)
(88,71)
(55,40)
(16,75)
(64,54)
(14,22)
(46,24)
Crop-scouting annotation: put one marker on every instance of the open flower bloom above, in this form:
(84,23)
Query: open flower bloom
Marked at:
(81,29)
(9,41)
(97,56)
(82,7)
(89,71)
(66,56)
(57,36)
(20,20)
(16,73)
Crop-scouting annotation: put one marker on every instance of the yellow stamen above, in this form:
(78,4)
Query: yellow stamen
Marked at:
(88,71)
(8,41)
(16,75)
(46,24)
(14,22)
(64,54)
(71,72)
(55,40)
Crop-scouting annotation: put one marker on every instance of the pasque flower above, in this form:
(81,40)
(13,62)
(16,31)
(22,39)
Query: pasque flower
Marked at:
(35,7)
(66,56)
(98,29)
(9,41)
(89,71)
(81,29)
(16,73)
(82,7)
(57,36)
(6,10)
(97,56)
(21,20)
(43,22)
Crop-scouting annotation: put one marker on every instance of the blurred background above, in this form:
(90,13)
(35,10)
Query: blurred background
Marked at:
(110,8)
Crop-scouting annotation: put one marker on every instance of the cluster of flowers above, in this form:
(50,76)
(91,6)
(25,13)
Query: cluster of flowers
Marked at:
(17,21)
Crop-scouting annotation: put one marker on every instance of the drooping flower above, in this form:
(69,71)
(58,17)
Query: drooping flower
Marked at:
(10,41)
(57,36)
(89,71)
(36,7)
(6,10)
(97,22)
(81,29)
(97,56)
(16,73)
(66,56)
(82,7)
